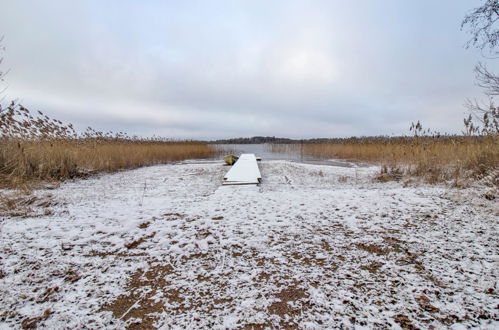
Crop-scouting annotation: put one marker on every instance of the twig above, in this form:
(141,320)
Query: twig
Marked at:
(131,307)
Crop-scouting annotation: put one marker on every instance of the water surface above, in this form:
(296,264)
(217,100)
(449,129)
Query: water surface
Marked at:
(264,151)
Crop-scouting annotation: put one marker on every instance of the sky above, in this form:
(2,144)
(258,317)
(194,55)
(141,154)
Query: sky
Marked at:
(221,69)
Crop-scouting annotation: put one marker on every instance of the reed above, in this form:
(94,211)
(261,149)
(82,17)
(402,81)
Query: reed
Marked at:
(37,148)
(434,158)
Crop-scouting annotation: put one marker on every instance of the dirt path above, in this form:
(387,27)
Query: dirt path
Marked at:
(311,247)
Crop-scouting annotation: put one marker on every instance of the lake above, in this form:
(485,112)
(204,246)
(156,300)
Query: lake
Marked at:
(265,152)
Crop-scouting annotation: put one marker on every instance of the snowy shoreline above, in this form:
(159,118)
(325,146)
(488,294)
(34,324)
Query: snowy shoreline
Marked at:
(313,246)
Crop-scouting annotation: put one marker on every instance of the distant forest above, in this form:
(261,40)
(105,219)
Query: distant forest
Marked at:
(255,140)
(361,140)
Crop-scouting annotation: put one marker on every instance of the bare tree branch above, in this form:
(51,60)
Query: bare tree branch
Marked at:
(2,49)
(487,114)
(487,80)
(481,23)
(2,73)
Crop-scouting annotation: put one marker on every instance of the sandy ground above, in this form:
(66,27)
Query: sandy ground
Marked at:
(311,247)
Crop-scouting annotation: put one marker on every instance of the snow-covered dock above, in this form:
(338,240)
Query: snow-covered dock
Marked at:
(244,171)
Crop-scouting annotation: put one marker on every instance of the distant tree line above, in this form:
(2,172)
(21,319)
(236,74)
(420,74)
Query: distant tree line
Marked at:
(421,136)
(255,140)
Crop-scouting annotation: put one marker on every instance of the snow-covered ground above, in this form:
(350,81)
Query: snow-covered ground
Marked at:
(310,247)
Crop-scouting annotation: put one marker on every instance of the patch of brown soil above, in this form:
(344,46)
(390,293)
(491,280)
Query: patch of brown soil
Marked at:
(193,256)
(47,295)
(237,254)
(71,276)
(308,260)
(372,248)
(373,267)
(32,323)
(284,310)
(404,321)
(22,204)
(173,216)
(138,303)
(326,247)
(424,303)
(264,277)
(101,254)
(261,262)
(257,326)
(136,243)
(394,243)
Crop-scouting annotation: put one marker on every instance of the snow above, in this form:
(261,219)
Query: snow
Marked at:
(312,246)
(244,171)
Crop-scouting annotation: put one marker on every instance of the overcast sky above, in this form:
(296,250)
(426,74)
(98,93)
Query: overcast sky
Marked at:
(215,69)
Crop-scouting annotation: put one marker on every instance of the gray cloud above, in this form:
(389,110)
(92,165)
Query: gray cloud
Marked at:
(210,70)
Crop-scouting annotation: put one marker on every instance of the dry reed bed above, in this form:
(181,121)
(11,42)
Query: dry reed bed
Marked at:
(37,148)
(436,159)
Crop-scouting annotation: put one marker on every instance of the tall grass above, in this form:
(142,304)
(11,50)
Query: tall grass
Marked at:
(38,148)
(435,158)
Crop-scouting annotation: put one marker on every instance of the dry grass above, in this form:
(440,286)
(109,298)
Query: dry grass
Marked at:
(37,148)
(25,161)
(434,158)
(21,204)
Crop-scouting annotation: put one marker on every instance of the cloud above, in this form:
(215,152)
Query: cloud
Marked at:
(211,70)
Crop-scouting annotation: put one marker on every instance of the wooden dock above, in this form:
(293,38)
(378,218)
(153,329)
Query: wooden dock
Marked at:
(244,171)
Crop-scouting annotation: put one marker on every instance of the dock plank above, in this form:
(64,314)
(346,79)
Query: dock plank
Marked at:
(244,171)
